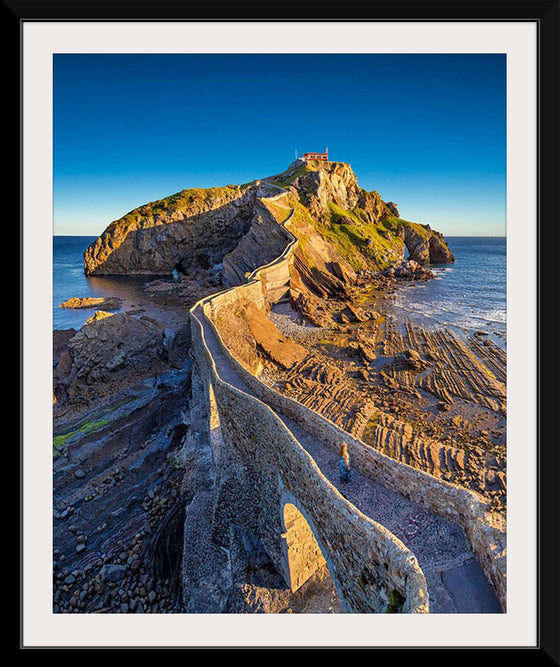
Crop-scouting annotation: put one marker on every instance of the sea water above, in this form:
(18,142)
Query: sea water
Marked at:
(466,296)
(69,280)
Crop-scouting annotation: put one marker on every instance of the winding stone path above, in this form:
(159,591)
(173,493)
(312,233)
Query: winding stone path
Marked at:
(456,583)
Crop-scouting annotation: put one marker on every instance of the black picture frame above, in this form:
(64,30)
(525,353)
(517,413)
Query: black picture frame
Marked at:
(546,15)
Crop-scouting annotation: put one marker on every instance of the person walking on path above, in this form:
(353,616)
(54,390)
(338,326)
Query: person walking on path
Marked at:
(344,464)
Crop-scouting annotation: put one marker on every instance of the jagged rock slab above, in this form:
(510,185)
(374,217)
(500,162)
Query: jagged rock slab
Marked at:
(324,388)
(110,350)
(452,369)
(106,303)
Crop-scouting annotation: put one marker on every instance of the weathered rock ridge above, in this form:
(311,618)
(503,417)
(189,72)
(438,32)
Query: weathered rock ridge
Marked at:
(330,183)
(200,228)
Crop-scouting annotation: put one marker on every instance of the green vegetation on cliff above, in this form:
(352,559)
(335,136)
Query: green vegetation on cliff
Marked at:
(396,602)
(363,244)
(342,216)
(191,200)
(60,441)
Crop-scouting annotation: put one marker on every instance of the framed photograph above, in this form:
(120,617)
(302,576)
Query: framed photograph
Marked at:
(289,339)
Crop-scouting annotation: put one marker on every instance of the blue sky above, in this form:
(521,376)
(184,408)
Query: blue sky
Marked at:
(426,131)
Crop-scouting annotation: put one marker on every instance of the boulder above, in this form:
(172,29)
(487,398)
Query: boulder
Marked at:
(414,360)
(113,349)
(112,572)
(97,316)
(343,272)
(310,308)
(352,313)
(108,303)
(408,269)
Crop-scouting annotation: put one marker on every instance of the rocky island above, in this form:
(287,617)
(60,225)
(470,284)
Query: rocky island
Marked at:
(196,433)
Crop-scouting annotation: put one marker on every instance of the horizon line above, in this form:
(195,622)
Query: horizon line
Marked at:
(445,235)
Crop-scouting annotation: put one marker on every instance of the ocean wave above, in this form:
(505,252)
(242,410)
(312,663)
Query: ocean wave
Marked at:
(469,295)
(443,314)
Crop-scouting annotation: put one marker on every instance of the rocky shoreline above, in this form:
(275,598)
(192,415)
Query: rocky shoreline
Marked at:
(124,468)
(120,482)
(121,392)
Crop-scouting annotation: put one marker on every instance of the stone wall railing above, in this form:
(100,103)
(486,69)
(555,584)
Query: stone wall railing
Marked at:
(445,499)
(366,561)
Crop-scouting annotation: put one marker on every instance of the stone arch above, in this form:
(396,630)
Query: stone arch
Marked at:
(302,554)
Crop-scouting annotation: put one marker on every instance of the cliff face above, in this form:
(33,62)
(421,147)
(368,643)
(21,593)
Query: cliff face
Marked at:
(197,226)
(200,227)
(325,187)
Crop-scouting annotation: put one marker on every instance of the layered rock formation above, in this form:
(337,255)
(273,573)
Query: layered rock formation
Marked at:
(264,241)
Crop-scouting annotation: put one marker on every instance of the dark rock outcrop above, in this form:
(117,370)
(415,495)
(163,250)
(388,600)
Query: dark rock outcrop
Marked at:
(393,208)
(426,246)
(109,353)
